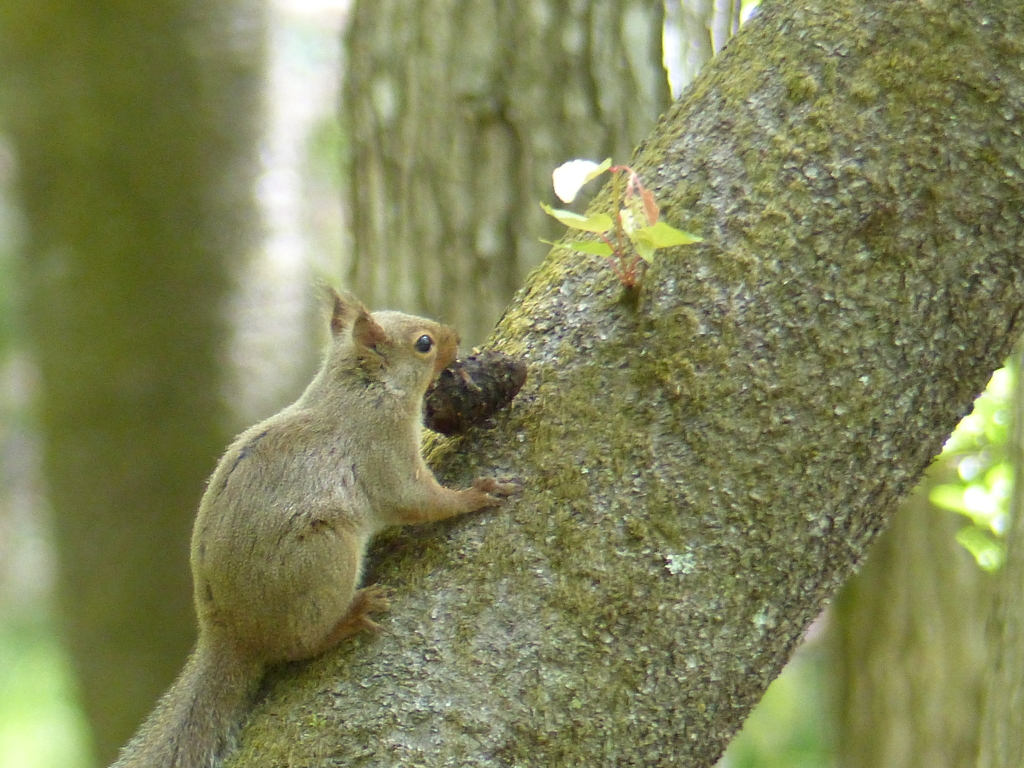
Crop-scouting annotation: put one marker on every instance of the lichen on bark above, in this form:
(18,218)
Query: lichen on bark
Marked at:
(704,467)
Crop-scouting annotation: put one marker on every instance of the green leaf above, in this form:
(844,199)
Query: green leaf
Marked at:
(662,235)
(988,552)
(949,496)
(644,249)
(599,222)
(984,506)
(593,247)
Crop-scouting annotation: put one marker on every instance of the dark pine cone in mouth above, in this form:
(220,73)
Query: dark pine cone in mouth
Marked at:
(470,391)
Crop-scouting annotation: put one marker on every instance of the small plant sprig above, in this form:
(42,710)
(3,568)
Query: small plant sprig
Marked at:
(632,235)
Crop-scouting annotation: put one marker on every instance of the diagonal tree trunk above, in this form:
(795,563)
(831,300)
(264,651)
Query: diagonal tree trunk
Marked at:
(704,467)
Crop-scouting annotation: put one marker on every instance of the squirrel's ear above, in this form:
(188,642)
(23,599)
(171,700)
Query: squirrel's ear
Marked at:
(345,309)
(366,332)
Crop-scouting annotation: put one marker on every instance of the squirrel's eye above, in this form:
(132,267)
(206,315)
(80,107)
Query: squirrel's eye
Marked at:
(424,344)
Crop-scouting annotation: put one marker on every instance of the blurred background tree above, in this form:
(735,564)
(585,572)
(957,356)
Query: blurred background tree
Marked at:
(135,129)
(907,639)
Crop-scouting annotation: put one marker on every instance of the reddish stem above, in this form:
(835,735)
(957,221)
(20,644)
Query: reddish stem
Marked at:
(623,268)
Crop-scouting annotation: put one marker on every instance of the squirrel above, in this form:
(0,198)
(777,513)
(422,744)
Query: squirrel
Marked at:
(279,539)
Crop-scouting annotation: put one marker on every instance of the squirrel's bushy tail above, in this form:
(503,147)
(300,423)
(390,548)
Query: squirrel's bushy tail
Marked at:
(195,723)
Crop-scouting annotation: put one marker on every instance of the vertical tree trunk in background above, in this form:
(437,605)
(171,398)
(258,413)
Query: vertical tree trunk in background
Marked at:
(135,129)
(695,30)
(909,644)
(457,113)
(1001,742)
(688,41)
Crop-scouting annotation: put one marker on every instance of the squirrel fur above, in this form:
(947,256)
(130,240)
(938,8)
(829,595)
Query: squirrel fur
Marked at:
(278,543)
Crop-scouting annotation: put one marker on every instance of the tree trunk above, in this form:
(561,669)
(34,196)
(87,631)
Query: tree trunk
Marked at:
(135,130)
(696,30)
(706,464)
(908,635)
(454,139)
(1001,742)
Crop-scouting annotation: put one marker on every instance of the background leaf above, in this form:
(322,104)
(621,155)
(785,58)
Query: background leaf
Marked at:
(662,235)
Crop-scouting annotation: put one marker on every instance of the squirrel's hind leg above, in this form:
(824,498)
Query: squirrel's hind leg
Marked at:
(372,599)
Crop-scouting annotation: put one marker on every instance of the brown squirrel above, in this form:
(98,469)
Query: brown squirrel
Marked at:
(278,543)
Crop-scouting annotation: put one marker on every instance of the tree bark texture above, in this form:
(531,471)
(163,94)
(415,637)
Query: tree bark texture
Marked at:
(457,113)
(136,130)
(910,647)
(1001,743)
(703,466)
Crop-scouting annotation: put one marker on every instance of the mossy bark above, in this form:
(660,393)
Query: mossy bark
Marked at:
(703,467)
(135,129)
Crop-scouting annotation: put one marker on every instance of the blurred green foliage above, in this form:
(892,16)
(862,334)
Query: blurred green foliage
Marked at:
(40,726)
(977,457)
(790,727)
